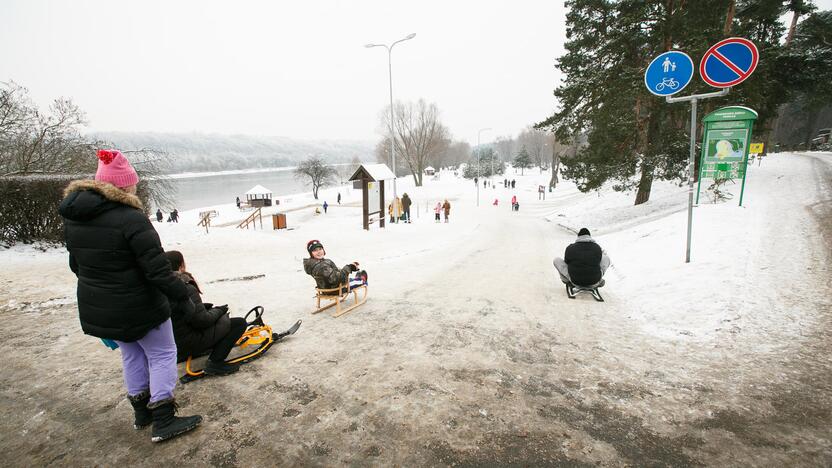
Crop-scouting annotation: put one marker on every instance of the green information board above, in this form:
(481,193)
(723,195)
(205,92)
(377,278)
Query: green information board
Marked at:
(725,145)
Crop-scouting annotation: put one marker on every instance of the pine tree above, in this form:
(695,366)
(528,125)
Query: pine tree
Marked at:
(522,160)
(633,136)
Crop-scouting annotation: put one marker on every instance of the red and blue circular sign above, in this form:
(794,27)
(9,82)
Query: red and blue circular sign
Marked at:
(729,62)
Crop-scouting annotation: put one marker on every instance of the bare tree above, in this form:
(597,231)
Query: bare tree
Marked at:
(455,153)
(32,142)
(505,147)
(152,167)
(317,171)
(538,144)
(419,136)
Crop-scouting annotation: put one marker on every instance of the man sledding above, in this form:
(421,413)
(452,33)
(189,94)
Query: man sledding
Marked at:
(583,266)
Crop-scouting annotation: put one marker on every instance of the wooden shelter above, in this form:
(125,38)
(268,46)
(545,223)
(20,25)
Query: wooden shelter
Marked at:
(259,196)
(370,179)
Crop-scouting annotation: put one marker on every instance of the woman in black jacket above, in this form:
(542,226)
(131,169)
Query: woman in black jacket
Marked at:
(199,327)
(124,288)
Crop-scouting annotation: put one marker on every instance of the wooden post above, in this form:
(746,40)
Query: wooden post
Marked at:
(381,206)
(365,196)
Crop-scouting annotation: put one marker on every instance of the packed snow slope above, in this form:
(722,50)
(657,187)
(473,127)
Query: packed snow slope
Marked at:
(468,351)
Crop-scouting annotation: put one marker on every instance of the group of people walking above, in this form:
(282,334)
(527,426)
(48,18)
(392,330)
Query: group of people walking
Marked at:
(172,218)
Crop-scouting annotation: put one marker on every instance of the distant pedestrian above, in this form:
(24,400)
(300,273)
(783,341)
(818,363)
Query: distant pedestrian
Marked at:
(505,183)
(238,203)
(514,205)
(339,198)
(438,211)
(406,208)
(390,211)
(512,183)
(325,206)
(397,209)
(159,215)
(174,216)
(447,207)
(476,180)
(484,183)
(496,202)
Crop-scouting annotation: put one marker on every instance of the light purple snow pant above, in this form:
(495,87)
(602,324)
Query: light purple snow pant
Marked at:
(150,362)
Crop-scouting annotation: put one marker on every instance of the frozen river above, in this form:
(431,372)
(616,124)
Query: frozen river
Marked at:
(195,190)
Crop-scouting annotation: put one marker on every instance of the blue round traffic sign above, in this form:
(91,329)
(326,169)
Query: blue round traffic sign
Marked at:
(729,62)
(668,73)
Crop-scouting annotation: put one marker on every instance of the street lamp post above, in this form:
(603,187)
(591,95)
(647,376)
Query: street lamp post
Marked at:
(390,76)
(479,132)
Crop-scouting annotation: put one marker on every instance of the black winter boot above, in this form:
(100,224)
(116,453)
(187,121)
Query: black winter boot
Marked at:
(165,424)
(143,415)
(220,368)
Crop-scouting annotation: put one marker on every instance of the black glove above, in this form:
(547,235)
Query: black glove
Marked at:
(208,305)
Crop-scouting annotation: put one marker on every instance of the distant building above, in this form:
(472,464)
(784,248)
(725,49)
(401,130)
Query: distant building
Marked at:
(430,171)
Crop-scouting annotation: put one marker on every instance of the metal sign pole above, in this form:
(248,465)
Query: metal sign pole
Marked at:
(692,162)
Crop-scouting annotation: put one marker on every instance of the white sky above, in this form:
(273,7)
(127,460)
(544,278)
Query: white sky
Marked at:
(294,69)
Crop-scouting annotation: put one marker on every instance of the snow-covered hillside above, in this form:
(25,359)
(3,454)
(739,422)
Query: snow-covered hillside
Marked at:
(468,350)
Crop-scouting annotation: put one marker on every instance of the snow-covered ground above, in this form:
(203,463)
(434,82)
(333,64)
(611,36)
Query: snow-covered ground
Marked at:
(468,350)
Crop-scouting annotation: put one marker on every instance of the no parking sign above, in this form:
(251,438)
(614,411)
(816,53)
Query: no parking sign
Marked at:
(729,62)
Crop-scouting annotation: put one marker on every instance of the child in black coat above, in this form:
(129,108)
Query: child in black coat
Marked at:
(199,327)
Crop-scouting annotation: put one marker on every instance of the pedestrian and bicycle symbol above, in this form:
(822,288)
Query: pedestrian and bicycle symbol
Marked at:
(669,73)
(729,62)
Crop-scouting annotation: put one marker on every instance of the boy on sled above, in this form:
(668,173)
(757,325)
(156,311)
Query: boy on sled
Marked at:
(327,275)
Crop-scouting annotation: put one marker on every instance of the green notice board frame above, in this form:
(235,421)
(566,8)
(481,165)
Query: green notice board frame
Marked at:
(725,145)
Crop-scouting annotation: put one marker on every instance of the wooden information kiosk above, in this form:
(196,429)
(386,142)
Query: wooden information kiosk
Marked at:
(370,179)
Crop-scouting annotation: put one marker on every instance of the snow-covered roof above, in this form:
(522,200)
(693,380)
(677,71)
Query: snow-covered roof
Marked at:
(430,168)
(375,171)
(258,190)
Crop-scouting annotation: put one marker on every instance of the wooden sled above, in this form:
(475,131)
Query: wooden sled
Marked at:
(337,296)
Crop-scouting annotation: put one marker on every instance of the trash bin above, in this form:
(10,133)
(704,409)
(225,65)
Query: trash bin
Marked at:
(279,221)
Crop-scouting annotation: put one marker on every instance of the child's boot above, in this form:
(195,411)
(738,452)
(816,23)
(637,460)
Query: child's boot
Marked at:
(143,415)
(166,424)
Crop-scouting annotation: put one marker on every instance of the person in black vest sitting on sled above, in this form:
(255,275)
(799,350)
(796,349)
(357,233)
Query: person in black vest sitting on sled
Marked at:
(201,327)
(584,262)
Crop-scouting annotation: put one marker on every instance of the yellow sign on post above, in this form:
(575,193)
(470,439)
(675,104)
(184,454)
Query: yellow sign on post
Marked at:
(755,148)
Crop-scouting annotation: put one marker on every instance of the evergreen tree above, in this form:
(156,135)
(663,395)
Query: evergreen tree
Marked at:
(522,160)
(487,161)
(633,136)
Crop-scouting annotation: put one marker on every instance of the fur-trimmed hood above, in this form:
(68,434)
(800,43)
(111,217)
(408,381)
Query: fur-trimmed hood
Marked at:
(86,199)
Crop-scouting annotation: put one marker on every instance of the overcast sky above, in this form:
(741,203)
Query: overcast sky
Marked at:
(294,69)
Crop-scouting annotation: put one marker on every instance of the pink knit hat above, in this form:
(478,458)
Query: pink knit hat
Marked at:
(114,168)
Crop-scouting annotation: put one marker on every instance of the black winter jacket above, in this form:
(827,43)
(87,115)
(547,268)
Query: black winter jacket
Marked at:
(196,328)
(124,278)
(326,273)
(583,259)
